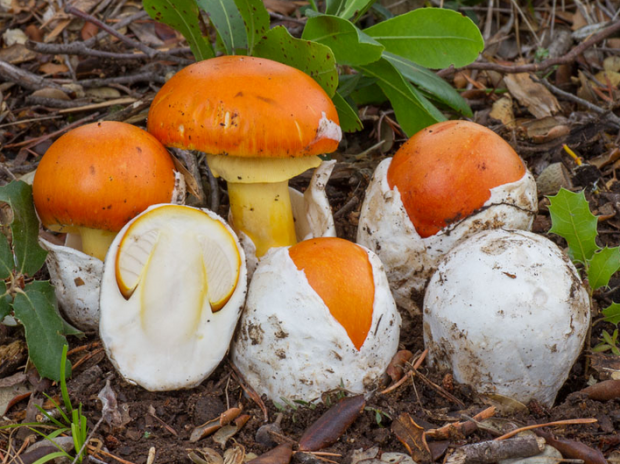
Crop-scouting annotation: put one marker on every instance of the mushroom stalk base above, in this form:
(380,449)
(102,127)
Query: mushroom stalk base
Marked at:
(96,242)
(263,212)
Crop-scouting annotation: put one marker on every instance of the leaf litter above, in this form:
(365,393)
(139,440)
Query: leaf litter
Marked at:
(70,71)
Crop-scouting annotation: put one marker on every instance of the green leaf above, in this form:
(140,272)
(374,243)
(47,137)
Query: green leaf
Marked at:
(413,111)
(313,58)
(572,219)
(354,8)
(227,19)
(47,289)
(612,313)
(256,19)
(43,331)
(368,93)
(7,261)
(29,255)
(347,115)
(350,45)
(348,83)
(603,264)
(430,82)
(332,7)
(182,15)
(5,301)
(432,37)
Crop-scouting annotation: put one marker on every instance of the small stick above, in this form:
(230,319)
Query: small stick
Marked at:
(26,79)
(150,76)
(411,373)
(32,142)
(444,432)
(150,52)
(487,452)
(548,424)
(548,63)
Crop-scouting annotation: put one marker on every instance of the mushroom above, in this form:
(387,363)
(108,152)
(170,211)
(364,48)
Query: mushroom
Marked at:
(447,182)
(506,311)
(173,286)
(89,183)
(260,123)
(97,177)
(318,315)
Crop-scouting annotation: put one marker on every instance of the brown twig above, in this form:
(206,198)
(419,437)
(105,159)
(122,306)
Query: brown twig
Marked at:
(546,64)
(148,51)
(26,79)
(611,117)
(411,373)
(150,76)
(548,424)
(32,142)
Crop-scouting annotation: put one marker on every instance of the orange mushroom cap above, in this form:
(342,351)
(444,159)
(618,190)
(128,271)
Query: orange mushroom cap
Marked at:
(340,272)
(101,175)
(243,106)
(445,172)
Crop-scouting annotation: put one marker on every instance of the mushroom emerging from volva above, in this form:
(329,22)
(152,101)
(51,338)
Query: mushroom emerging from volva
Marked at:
(447,182)
(97,177)
(260,123)
(318,315)
(89,184)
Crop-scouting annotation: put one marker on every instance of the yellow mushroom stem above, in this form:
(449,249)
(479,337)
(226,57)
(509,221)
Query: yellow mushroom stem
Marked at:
(96,242)
(259,199)
(263,212)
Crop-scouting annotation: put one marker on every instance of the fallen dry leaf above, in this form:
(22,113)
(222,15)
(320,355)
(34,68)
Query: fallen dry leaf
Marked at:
(53,68)
(412,436)
(535,97)
(502,111)
(328,428)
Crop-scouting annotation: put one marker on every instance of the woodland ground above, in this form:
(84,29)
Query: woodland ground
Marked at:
(574,108)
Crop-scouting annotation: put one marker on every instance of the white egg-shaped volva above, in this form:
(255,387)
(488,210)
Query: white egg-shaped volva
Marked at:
(173,287)
(319,315)
(507,312)
(444,184)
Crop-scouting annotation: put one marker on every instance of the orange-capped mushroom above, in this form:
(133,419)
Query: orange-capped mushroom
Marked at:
(260,122)
(97,177)
(446,172)
(319,315)
(340,272)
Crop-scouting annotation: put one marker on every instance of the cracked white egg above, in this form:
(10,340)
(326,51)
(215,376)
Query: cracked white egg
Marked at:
(506,311)
(173,287)
(446,183)
(319,315)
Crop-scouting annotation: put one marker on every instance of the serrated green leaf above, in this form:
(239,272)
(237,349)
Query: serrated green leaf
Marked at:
(603,264)
(47,289)
(347,115)
(227,19)
(432,37)
(612,313)
(430,82)
(413,111)
(256,19)
(29,255)
(350,45)
(5,301)
(43,329)
(7,261)
(354,8)
(572,220)
(182,15)
(316,60)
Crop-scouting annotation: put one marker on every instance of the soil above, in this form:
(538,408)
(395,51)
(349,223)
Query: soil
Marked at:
(164,421)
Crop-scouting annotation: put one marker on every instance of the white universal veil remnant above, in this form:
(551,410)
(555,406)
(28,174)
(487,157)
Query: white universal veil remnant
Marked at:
(446,183)
(173,288)
(86,186)
(506,311)
(318,315)
(260,123)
